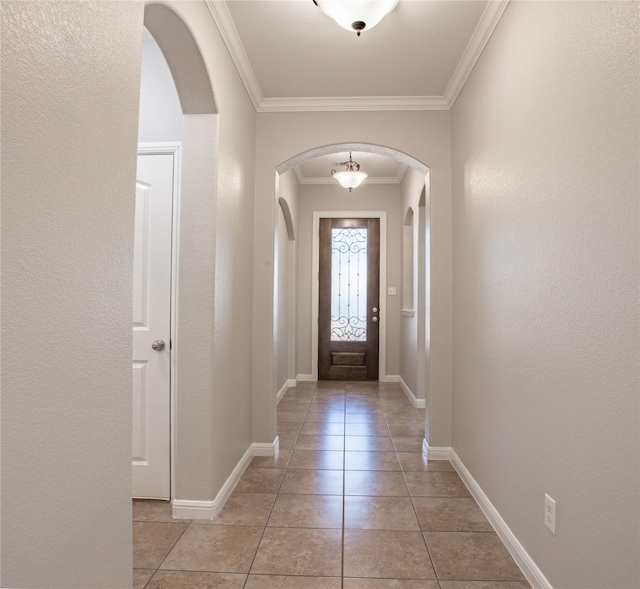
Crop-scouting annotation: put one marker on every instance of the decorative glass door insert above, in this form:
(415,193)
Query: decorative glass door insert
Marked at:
(349,285)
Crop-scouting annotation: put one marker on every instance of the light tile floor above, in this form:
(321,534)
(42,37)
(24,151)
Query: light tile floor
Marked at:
(348,502)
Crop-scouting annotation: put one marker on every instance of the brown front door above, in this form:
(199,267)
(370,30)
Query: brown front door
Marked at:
(349,299)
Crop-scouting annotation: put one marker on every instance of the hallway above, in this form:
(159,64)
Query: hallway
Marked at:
(348,502)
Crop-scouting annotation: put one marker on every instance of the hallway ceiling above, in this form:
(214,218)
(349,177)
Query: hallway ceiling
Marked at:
(381,169)
(292,57)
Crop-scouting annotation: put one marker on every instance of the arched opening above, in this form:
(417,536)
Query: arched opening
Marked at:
(307,301)
(183,58)
(339,147)
(407,262)
(178,109)
(286,213)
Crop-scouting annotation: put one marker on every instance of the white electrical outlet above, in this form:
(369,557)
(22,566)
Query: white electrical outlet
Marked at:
(392,291)
(550,513)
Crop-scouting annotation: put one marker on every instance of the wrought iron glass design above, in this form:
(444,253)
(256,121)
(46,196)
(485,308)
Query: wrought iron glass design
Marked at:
(348,285)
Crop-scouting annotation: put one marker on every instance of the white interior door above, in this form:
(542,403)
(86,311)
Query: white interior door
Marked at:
(152,327)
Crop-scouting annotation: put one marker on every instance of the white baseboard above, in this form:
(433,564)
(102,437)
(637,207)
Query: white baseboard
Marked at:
(417,403)
(285,387)
(528,567)
(389,378)
(266,448)
(198,509)
(305,378)
(436,452)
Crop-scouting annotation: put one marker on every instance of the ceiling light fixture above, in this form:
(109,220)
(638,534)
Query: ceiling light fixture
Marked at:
(356,15)
(350,178)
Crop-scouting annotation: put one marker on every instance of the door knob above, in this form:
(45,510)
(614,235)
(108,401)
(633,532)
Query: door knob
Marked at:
(158,345)
(374,319)
(375,309)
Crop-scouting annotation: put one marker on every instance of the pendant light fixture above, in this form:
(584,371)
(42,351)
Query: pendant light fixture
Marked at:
(350,178)
(356,15)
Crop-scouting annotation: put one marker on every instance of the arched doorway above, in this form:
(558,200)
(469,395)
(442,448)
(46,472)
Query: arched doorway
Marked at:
(407,320)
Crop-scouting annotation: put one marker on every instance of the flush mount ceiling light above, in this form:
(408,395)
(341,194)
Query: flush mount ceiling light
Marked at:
(350,178)
(356,15)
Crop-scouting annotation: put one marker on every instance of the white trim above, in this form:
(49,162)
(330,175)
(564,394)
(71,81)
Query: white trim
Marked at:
(389,378)
(172,148)
(266,448)
(436,452)
(285,387)
(478,41)
(417,403)
(306,378)
(192,509)
(299,175)
(352,103)
(315,267)
(198,509)
(481,35)
(524,561)
(222,17)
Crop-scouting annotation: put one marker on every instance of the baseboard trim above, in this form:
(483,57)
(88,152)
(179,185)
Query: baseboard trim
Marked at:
(417,403)
(266,448)
(436,452)
(389,378)
(305,378)
(198,509)
(524,561)
(285,387)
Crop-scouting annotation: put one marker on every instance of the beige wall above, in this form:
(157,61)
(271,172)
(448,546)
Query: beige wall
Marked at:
(412,186)
(280,137)
(70,86)
(160,117)
(545,193)
(216,277)
(286,270)
(368,197)
(70,110)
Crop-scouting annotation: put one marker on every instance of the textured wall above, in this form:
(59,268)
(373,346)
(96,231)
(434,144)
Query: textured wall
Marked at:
(545,190)
(285,320)
(281,136)
(216,272)
(411,189)
(160,117)
(70,84)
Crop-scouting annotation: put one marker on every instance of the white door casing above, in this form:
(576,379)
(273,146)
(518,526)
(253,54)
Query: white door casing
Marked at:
(152,288)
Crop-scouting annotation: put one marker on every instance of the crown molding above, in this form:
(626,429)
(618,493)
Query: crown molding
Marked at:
(222,17)
(299,175)
(481,35)
(478,41)
(353,103)
(401,175)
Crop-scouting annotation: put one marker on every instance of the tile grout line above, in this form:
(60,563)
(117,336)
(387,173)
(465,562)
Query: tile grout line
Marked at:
(275,500)
(344,469)
(168,552)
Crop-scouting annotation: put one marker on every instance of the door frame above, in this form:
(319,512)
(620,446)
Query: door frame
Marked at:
(315,269)
(171,148)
